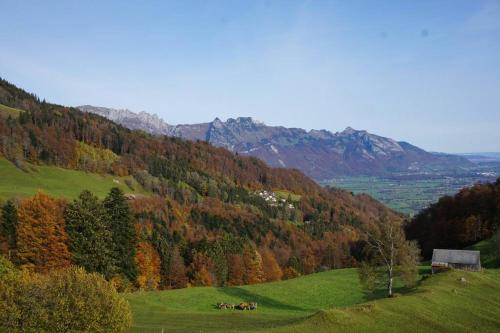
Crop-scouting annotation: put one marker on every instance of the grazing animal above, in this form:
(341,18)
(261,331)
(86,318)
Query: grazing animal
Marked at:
(243,306)
(223,306)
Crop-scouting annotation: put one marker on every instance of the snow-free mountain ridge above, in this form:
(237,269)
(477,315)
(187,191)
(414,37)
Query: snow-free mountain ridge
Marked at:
(320,154)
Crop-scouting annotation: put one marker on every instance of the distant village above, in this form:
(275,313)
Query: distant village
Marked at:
(273,200)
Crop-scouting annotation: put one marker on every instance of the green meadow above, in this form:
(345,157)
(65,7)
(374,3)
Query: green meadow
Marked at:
(279,303)
(328,302)
(332,301)
(55,181)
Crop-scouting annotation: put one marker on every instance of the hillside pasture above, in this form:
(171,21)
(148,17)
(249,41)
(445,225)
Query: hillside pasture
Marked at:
(6,111)
(279,303)
(58,182)
(442,303)
(327,302)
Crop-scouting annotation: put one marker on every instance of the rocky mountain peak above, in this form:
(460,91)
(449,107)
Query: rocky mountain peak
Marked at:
(320,154)
(217,123)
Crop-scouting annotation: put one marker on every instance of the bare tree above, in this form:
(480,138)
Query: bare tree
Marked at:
(389,255)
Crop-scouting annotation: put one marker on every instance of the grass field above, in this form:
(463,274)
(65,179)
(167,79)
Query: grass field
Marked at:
(192,309)
(285,194)
(58,182)
(279,303)
(327,302)
(440,304)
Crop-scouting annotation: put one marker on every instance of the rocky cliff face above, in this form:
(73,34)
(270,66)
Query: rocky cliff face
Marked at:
(147,122)
(318,153)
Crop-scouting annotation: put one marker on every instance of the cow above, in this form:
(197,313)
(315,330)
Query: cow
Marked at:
(243,306)
(223,306)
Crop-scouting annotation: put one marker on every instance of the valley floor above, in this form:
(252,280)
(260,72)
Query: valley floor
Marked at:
(406,194)
(327,302)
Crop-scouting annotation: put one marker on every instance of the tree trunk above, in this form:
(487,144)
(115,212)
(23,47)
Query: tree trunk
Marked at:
(391,263)
(389,286)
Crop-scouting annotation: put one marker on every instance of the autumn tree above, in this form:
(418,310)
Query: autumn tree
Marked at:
(290,273)
(123,233)
(272,271)
(41,235)
(176,275)
(236,270)
(91,241)
(390,255)
(148,266)
(64,300)
(252,262)
(200,270)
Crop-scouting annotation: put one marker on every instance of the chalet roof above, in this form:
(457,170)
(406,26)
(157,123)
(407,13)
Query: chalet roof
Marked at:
(456,257)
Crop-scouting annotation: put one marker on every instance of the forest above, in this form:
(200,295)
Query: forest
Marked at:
(471,215)
(202,222)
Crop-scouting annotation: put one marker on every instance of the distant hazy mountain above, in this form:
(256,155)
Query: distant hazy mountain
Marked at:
(150,123)
(318,153)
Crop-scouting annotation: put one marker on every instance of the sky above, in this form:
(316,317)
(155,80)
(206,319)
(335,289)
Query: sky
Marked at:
(426,72)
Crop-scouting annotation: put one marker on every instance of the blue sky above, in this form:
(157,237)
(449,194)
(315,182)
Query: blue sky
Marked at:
(427,72)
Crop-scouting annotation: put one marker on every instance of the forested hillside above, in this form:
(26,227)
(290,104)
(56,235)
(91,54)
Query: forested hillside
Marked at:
(472,215)
(208,217)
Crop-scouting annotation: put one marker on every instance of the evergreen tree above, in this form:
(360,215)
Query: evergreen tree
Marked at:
(124,235)
(91,241)
(218,256)
(9,223)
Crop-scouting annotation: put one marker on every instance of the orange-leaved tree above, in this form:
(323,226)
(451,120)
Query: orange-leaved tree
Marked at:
(272,271)
(200,270)
(41,235)
(236,270)
(148,266)
(253,266)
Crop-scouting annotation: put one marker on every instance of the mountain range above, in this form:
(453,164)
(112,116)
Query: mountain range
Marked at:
(320,154)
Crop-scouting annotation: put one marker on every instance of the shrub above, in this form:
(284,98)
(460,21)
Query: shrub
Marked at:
(66,300)
(6,267)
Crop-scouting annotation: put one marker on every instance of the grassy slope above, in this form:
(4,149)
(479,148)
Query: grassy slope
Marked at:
(440,304)
(192,309)
(280,303)
(8,111)
(55,181)
(490,258)
(285,194)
